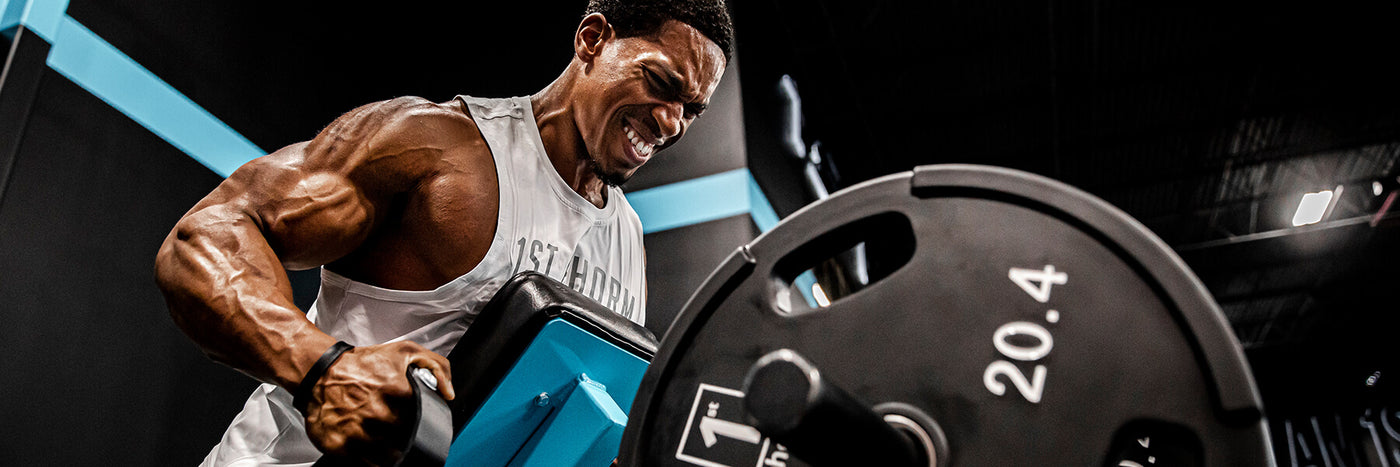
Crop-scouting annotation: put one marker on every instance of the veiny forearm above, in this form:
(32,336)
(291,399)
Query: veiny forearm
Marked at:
(227,290)
(305,205)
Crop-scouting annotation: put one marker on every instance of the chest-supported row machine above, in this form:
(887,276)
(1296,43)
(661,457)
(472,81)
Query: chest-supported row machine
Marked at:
(1003,319)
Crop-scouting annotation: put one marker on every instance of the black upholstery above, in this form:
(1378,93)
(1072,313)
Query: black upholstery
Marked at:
(508,324)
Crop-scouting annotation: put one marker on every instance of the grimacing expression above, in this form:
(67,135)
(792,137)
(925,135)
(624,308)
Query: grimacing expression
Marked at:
(642,93)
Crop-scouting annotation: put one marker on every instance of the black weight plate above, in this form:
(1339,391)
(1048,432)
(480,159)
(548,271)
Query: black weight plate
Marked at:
(1139,365)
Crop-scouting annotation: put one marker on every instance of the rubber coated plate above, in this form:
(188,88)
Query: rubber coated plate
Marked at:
(1035,324)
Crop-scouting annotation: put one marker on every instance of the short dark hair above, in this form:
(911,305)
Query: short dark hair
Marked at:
(631,18)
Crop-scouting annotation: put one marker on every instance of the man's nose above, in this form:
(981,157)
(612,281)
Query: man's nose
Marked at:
(668,119)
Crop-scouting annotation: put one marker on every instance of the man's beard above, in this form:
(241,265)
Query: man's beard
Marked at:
(609,179)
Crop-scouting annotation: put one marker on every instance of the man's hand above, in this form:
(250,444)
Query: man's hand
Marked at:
(353,410)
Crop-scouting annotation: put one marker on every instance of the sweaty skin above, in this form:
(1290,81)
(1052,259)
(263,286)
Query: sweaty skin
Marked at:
(403,194)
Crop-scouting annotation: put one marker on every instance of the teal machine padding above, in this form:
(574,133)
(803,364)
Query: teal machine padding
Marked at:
(563,403)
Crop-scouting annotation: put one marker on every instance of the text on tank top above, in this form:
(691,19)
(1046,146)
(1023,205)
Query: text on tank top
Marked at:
(543,226)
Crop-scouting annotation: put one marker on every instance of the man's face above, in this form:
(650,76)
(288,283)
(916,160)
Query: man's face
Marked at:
(640,95)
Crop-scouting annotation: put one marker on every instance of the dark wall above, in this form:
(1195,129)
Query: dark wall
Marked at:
(95,369)
(278,73)
(679,260)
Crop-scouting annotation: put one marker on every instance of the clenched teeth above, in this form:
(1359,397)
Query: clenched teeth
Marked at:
(642,147)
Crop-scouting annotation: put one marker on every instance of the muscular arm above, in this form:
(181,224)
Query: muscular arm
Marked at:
(222,267)
(224,280)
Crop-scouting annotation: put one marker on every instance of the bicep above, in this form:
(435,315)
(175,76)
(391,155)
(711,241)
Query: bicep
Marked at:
(308,217)
(315,202)
(312,218)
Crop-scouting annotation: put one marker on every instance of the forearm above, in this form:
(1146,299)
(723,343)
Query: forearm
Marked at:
(227,290)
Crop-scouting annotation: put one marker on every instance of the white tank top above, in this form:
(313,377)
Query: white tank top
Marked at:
(543,226)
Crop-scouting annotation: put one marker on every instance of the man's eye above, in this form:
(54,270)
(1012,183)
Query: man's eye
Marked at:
(694,110)
(659,85)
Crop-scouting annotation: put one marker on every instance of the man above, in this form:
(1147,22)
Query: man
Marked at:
(418,212)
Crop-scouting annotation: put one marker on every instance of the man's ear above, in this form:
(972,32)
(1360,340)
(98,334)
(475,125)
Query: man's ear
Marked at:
(592,32)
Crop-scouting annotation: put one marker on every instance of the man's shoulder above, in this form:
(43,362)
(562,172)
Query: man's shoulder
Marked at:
(418,118)
(415,124)
(396,142)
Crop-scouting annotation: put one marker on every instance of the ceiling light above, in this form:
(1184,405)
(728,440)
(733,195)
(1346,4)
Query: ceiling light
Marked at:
(1312,207)
(1376,188)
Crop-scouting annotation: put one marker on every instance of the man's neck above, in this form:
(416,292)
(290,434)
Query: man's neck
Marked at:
(562,142)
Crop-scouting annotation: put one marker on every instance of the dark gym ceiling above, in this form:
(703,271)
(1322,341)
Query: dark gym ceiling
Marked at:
(1207,121)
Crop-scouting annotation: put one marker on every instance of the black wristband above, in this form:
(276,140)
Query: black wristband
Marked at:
(303,395)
